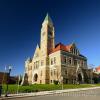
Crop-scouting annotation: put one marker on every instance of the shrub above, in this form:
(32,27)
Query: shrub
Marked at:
(55,82)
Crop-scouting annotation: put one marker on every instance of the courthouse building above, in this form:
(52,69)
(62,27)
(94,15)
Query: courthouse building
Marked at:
(55,62)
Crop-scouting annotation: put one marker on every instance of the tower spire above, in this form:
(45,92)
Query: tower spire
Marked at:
(47,36)
(48,19)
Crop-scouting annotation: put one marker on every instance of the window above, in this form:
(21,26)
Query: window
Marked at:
(34,65)
(42,62)
(38,63)
(77,52)
(75,62)
(82,63)
(54,72)
(65,72)
(64,59)
(51,73)
(69,61)
(51,61)
(74,51)
(41,73)
(54,60)
(85,63)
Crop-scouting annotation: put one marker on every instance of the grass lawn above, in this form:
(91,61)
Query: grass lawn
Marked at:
(46,87)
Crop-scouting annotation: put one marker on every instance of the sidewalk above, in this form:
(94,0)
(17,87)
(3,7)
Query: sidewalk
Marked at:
(21,95)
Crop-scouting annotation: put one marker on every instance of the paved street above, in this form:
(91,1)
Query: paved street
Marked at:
(82,95)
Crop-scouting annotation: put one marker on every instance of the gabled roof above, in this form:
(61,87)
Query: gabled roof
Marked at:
(63,47)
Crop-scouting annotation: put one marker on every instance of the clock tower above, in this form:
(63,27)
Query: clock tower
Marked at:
(47,36)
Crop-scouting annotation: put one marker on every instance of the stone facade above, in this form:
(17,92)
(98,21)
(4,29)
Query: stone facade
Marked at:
(54,62)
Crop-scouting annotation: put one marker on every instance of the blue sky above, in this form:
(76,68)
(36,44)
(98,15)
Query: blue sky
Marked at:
(20,23)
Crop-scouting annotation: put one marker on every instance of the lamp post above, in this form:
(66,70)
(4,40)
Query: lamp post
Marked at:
(91,75)
(91,66)
(9,71)
(19,77)
(62,82)
(77,68)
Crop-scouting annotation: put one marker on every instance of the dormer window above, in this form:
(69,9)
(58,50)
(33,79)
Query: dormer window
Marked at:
(74,51)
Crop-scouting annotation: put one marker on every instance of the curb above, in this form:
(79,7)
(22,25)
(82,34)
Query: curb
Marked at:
(43,93)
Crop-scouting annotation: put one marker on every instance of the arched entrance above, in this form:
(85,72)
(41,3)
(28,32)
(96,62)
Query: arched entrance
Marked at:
(35,77)
(79,78)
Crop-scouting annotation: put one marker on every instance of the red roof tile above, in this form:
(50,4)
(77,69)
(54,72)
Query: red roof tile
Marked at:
(61,46)
(98,68)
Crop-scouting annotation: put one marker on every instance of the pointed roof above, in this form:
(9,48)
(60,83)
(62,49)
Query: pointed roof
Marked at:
(47,18)
(37,46)
(37,51)
(29,59)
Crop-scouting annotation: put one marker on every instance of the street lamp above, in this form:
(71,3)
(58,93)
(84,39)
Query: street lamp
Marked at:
(62,82)
(77,68)
(91,66)
(8,76)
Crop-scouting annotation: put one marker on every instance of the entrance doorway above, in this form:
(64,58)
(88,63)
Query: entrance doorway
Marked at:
(80,78)
(35,77)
